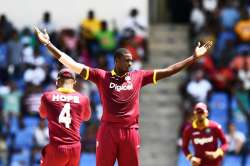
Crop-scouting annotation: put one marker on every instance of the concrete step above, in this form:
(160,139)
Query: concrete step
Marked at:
(160,116)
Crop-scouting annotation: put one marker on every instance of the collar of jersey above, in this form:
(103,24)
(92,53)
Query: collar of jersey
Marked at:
(66,90)
(194,124)
(113,73)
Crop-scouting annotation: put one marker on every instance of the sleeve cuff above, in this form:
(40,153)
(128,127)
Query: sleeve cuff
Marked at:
(154,78)
(87,73)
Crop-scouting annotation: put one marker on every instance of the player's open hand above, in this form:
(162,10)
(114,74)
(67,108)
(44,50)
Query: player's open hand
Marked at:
(195,161)
(42,36)
(201,50)
(212,155)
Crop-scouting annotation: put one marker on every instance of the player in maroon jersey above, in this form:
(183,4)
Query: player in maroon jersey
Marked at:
(65,110)
(204,135)
(118,136)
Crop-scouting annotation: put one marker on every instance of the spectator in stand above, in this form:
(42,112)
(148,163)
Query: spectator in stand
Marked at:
(227,53)
(136,24)
(199,87)
(89,27)
(36,71)
(106,38)
(240,61)
(236,141)
(229,15)
(27,37)
(46,23)
(3,59)
(224,38)
(31,100)
(41,135)
(242,28)
(28,50)
(5,27)
(220,76)
(210,5)
(242,100)
(34,75)
(244,75)
(197,18)
(11,100)
(15,54)
(210,8)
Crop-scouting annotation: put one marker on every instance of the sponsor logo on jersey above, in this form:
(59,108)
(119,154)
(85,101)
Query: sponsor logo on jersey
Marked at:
(120,87)
(66,98)
(126,86)
(202,141)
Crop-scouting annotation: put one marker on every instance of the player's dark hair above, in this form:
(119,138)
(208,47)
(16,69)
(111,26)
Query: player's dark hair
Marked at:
(120,52)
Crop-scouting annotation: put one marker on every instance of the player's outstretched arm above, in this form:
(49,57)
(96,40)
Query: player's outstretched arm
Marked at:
(199,52)
(61,56)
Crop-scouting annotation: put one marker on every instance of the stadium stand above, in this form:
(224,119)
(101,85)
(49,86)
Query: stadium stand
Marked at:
(226,66)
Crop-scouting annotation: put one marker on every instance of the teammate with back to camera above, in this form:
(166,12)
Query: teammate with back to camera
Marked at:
(204,135)
(65,110)
(118,135)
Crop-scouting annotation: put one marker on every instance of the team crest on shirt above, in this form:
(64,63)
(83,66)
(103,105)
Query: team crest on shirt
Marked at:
(128,78)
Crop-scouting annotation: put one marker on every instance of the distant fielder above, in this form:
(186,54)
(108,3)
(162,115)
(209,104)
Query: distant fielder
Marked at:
(204,135)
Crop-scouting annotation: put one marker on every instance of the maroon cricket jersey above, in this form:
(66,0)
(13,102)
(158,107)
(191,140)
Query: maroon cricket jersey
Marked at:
(65,113)
(207,139)
(120,95)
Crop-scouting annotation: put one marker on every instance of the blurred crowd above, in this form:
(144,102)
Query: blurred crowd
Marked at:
(27,70)
(224,73)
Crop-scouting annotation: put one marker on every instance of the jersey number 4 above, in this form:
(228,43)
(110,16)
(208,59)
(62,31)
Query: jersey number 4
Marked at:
(64,116)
